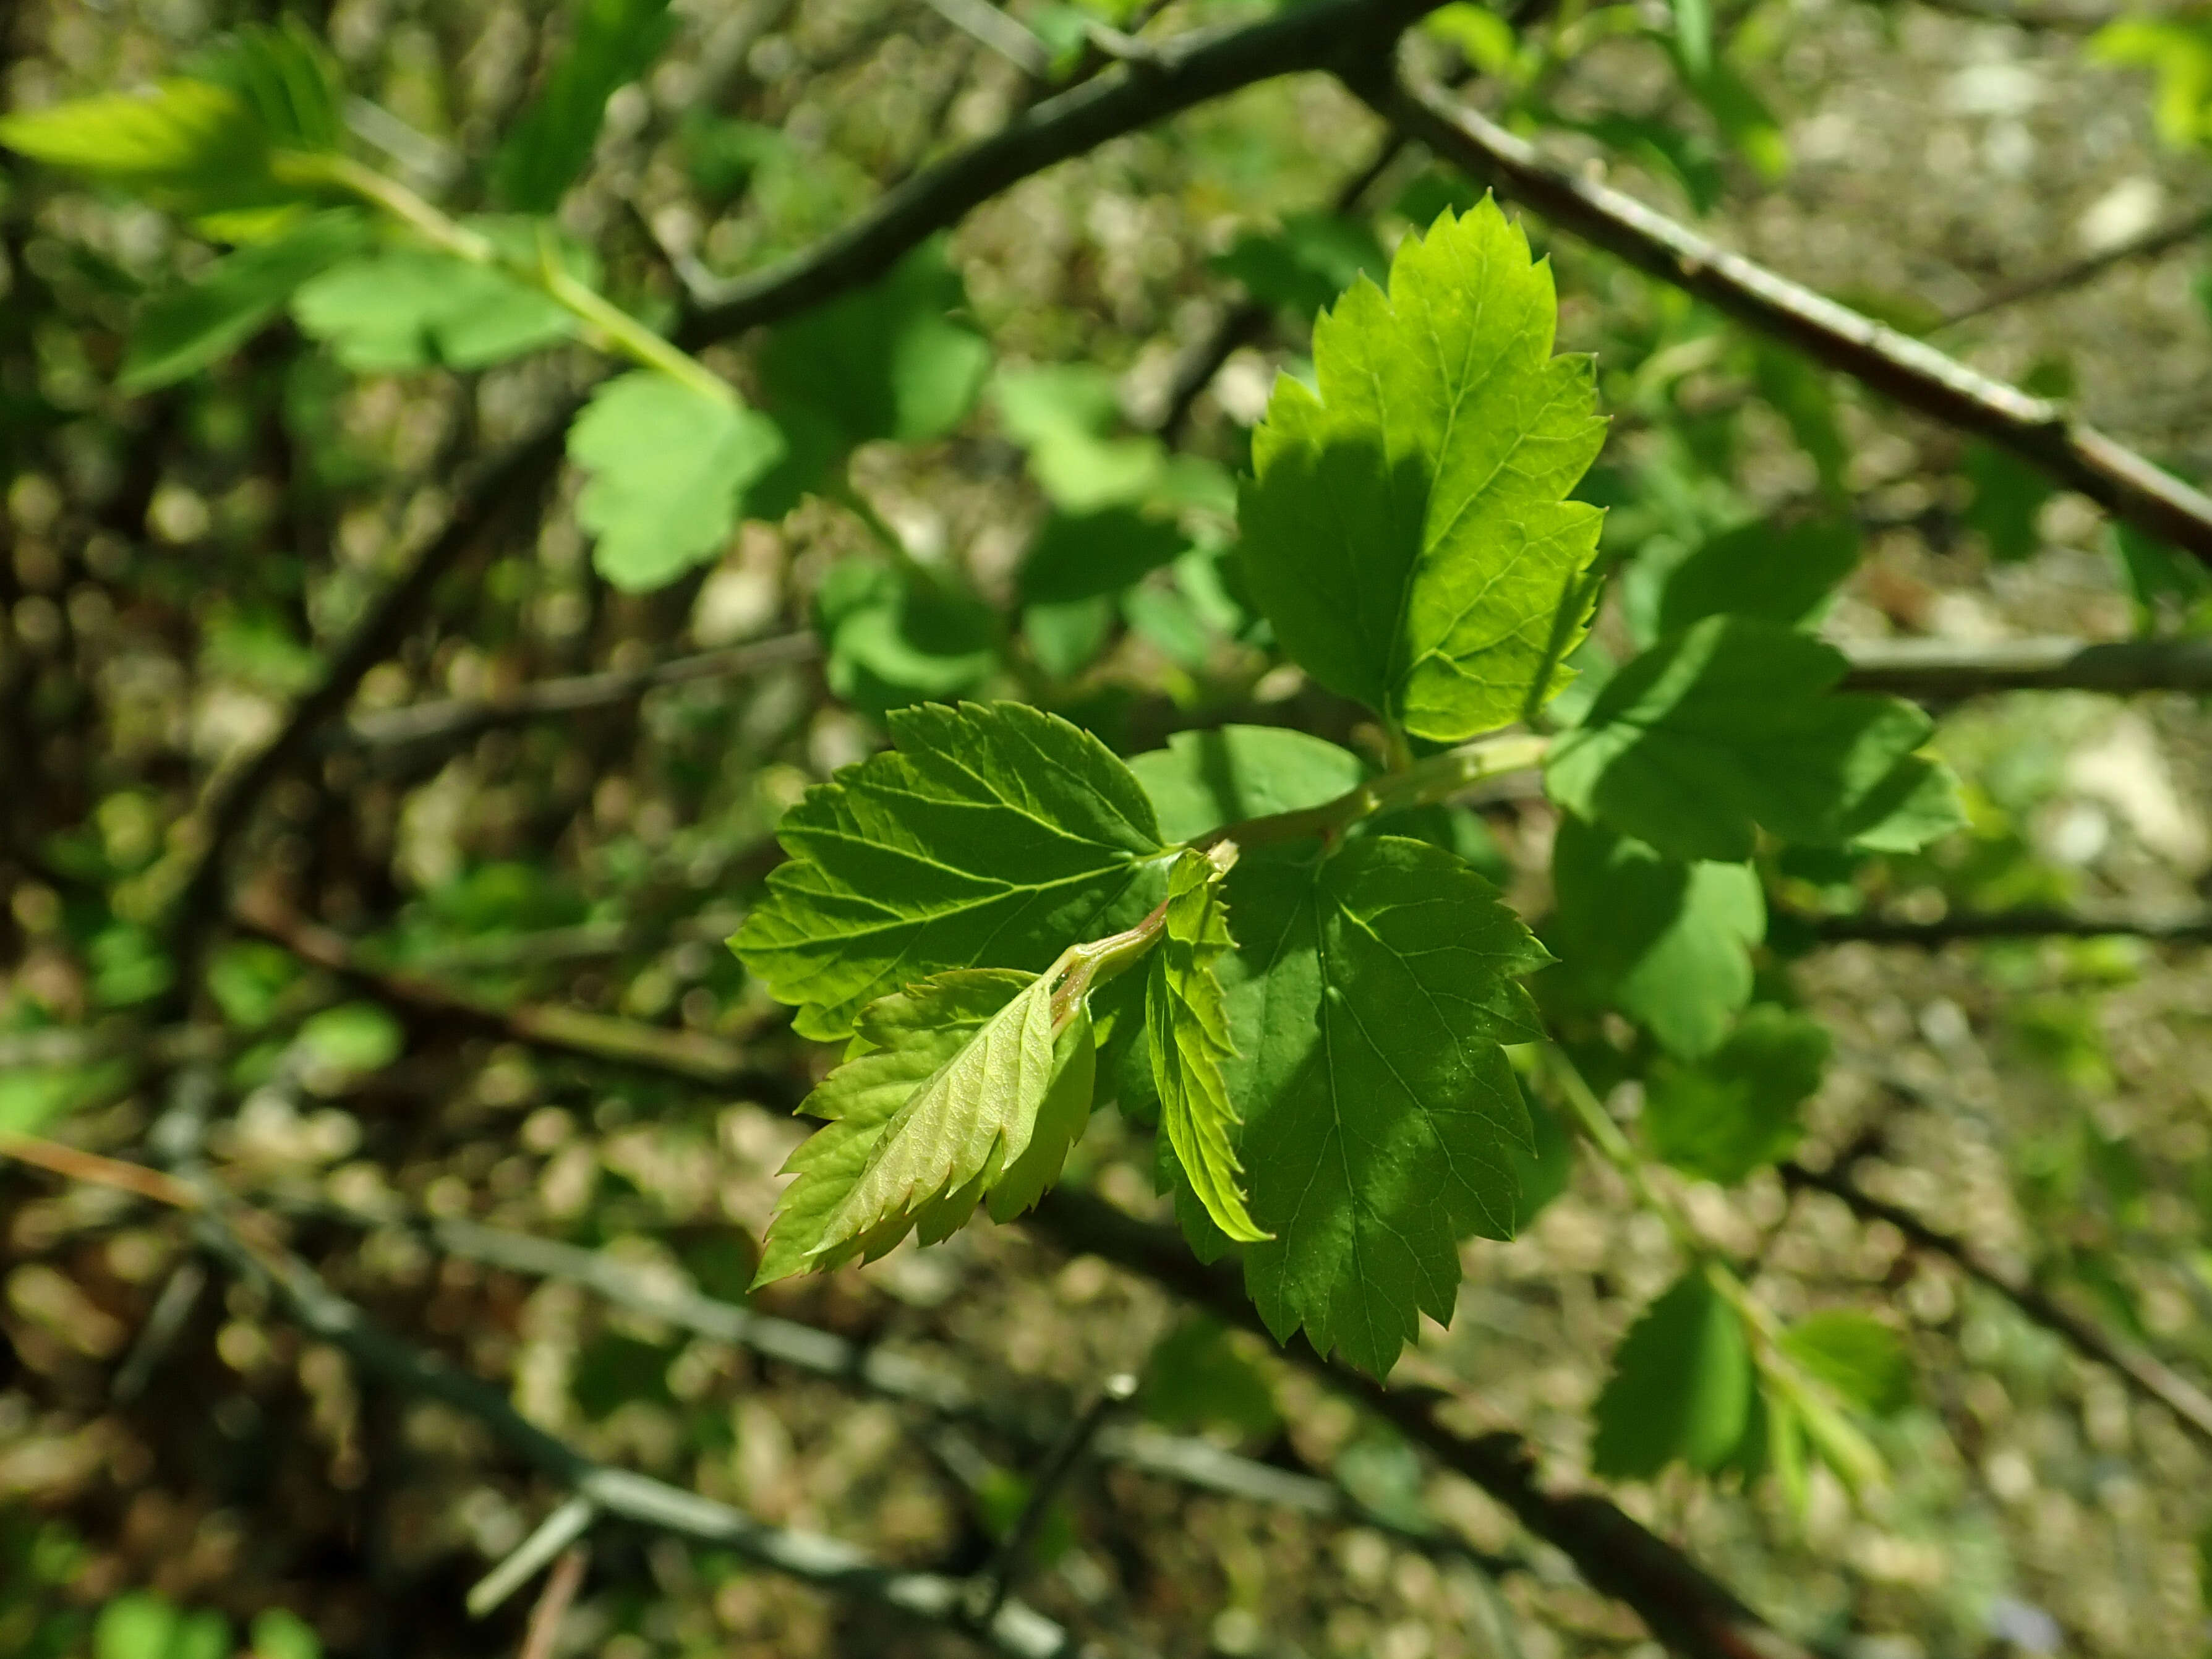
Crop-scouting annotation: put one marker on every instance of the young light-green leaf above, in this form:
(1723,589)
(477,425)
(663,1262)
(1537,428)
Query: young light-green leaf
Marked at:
(669,466)
(1856,1354)
(1369,1003)
(542,154)
(993,835)
(1733,725)
(1407,531)
(1736,1110)
(1667,943)
(1681,1386)
(1187,1020)
(924,1072)
(189,146)
(407,308)
(182,332)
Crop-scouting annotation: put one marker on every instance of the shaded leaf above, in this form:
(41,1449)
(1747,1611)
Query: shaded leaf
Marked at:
(1227,774)
(1737,1110)
(1680,1387)
(894,638)
(1368,1004)
(1733,725)
(1406,532)
(668,467)
(1862,1359)
(1066,416)
(1305,264)
(182,331)
(1085,555)
(550,146)
(1779,574)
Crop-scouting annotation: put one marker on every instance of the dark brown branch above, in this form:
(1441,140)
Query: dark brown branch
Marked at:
(1684,1605)
(2148,1378)
(2187,928)
(2039,431)
(1182,73)
(2159,239)
(1941,671)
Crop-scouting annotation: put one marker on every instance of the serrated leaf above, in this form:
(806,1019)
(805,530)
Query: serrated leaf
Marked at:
(414,309)
(1680,1387)
(186,145)
(888,361)
(993,835)
(1668,943)
(182,332)
(545,152)
(1188,1022)
(1407,531)
(1368,1004)
(287,79)
(668,466)
(1736,1110)
(1304,264)
(1227,774)
(1862,1359)
(962,1092)
(1781,574)
(1732,726)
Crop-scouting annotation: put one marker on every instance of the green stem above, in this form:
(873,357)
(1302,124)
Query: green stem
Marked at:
(1421,783)
(620,333)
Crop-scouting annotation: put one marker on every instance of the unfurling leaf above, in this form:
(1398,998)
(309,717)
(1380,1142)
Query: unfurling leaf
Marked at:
(1187,1023)
(1369,1003)
(1733,725)
(668,465)
(963,1092)
(991,836)
(1407,532)
(1681,1386)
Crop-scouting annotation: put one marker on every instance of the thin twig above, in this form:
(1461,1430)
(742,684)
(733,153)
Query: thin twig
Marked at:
(2193,928)
(1189,70)
(998,1579)
(164,1323)
(2149,1378)
(555,1533)
(983,22)
(1944,671)
(2037,429)
(560,1588)
(2159,239)
(73,1164)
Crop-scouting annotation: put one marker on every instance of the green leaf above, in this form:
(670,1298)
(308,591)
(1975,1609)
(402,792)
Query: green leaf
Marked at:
(1063,416)
(281,1635)
(669,466)
(1368,1004)
(1065,639)
(963,1091)
(2008,502)
(182,331)
(885,363)
(1681,1386)
(1543,1168)
(2158,572)
(1304,265)
(410,308)
(287,80)
(1196,1379)
(1085,555)
(355,1038)
(1187,1021)
(993,835)
(1204,779)
(1776,573)
(1406,532)
(2180,48)
(188,146)
(138,1625)
(1862,1359)
(1667,943)
(1731,726)
(545,151)
(1736,1111)
(893,638)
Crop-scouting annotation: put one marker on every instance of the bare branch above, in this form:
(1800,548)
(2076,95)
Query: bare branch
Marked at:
(1942,670)
(1202,66)
(2149,1378)
(2037,429)
(555,1533)
(552,1606)
(2186,928)
(2159,239)
(1685,1607)
(997,1580)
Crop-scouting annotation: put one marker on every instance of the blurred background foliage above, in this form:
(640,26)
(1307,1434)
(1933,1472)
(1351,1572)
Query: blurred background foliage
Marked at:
(1011,468)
